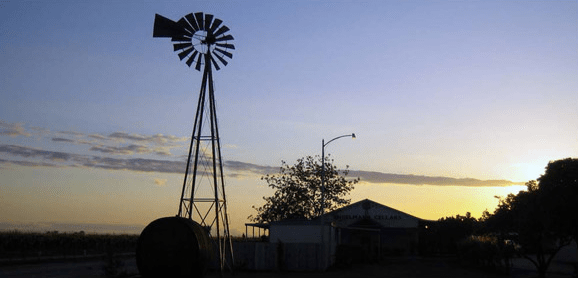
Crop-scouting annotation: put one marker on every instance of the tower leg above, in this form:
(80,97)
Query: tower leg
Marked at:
(204,179)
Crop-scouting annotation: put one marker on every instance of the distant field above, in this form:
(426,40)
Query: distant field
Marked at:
(15,245)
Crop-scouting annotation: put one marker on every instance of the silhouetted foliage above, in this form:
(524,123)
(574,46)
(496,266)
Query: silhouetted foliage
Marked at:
(487,251)
(443,236)
(298,190)
(559,197)
(524,215)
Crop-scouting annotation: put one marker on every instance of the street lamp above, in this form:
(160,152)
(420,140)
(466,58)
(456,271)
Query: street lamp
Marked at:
(323,144)
(321,221)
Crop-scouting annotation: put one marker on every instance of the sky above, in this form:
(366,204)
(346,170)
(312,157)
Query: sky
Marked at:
(452,103)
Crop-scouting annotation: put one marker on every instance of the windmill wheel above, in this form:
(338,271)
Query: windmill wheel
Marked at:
(198,37)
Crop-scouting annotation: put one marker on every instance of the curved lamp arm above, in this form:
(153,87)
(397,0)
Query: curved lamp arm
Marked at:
(326,143)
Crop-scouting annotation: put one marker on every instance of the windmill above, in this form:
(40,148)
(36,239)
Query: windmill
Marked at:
(203,43)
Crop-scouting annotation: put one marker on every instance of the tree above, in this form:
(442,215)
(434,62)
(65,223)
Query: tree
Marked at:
(298,190)
(559,194)
(525,215)
(444,235)
(450,230)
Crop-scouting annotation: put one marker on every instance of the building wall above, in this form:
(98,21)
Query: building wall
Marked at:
(278,256)
(365,228)
(375,230)
(296,233)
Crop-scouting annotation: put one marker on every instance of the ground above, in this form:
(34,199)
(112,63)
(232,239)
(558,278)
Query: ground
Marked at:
(397,268)
(416,267)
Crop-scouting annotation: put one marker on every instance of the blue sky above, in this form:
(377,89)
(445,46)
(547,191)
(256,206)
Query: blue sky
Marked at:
(484,90)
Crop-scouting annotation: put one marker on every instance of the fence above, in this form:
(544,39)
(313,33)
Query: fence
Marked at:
(277,256)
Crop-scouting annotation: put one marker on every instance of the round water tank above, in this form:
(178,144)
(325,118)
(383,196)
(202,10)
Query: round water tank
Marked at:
(173,247)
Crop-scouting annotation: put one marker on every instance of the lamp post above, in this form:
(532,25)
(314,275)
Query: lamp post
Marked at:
(323,144)
(324,261)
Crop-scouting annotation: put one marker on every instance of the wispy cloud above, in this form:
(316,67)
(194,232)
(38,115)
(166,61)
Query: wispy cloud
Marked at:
(160,182)
(64,159)
(123,150)
(12,129)
(378,177)
(125,136)
(28,152)
(158,139)
(136,164)
(72,133)
(241,167)
(97,136)
(238,168)
(117,143)
(235,168)
(62,140)
(27,163)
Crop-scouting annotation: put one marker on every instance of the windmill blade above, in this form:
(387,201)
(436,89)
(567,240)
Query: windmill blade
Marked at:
(224,53)
(215,63)
(198,65)
(192,21)
(225,38)
(208,20)
(216,24)
(221,30)
(211,42)
(164,27)
(227,46)
(181,38)
(192,58)
(185,26)
(182,46)
(200,18)
(185,53)
(220,58)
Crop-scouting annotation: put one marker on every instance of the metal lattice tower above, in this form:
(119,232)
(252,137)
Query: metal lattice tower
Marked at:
(199,38)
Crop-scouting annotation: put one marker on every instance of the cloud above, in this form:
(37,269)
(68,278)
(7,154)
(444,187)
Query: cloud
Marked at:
(235,168)
(62,140)
(89,142)
(76,134)
(157,144)
(39,130)
(125,136)
(97,136)
(160,182)
(162,151)
(378,177)
(12,129)
(27,163)
(58,159)
(27,152)
(125,150)
(138,165)
(158,139)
